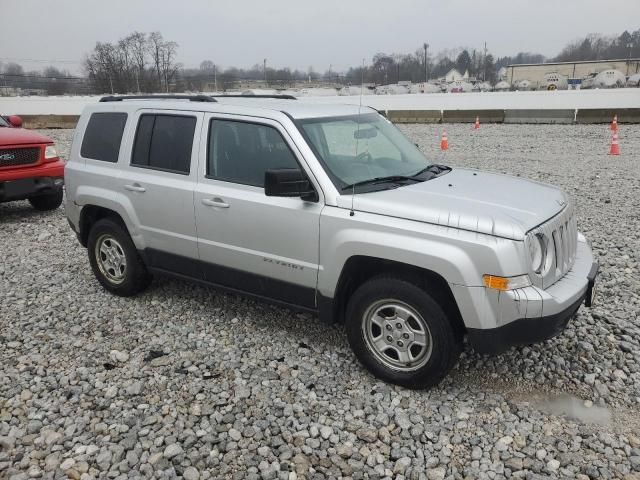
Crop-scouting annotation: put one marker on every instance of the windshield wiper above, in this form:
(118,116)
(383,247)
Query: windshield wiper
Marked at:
(373,181)
(435,169)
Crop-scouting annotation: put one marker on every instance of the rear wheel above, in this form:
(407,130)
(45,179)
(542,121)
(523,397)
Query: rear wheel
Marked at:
(49,201)
(400,333)
(114,259)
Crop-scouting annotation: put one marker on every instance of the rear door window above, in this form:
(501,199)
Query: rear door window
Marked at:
(103,136)
(164,142)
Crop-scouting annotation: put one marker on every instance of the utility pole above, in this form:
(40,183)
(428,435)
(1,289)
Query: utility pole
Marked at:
(484,64)
(426,63)
(265,71)
(630,46)
(215,78)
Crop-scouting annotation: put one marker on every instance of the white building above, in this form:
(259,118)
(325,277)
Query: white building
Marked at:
(453,75)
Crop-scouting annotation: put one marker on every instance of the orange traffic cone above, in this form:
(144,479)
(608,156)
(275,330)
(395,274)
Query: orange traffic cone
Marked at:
(614,124)
(615,146)
(444,141)
(476,126)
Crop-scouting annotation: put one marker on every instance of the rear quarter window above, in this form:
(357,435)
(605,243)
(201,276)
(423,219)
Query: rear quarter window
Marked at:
(103,136)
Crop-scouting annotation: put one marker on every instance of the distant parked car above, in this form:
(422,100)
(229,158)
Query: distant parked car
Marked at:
(609,79)
(634,80)
(555,81)
(459,86)
(30,168)
(587,81)
(524,85)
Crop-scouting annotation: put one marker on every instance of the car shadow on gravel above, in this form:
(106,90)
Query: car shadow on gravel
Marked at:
(303,325)
(21,212)
(502,374)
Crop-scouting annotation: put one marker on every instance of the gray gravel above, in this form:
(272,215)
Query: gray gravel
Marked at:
(186,381)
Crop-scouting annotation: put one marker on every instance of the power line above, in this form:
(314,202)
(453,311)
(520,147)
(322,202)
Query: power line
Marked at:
(11,59)
(22,75)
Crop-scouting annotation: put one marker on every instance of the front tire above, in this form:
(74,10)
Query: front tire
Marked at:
(47,202)
(114,259)
(400,333)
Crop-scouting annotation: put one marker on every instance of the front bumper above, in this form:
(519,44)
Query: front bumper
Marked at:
(24,188)
(20,183)
(552,308)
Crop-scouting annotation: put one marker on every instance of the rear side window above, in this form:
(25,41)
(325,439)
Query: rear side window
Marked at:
(163,142)
(103,135)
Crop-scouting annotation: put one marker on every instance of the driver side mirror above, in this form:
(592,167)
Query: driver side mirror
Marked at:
(15,121)
(288,182)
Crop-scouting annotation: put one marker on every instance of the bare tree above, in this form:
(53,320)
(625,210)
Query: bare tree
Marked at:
(139,46)
(155,47)
(12,68)
(207,66)
(137,62)
(169,67)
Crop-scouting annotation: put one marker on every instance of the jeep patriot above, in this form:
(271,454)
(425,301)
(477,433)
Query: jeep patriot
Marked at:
(330,209)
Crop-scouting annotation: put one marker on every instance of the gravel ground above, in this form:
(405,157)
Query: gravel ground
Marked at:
(186,381)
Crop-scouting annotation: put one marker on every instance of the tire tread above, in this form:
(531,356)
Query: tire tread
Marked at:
(407,289)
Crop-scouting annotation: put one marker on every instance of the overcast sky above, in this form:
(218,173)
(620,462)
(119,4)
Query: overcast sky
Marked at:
(300,33)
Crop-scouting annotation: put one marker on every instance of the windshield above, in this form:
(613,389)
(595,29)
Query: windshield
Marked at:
(358,148)
(3,122)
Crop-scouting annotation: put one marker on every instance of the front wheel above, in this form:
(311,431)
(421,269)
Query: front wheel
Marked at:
(400,333)
(46,202)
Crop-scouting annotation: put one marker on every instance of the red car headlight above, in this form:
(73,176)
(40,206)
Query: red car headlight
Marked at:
(50,153)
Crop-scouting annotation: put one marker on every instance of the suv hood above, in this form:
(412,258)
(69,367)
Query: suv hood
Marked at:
(494,204)
(20,136)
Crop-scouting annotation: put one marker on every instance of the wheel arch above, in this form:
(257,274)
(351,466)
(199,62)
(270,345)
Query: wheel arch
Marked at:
(90,214)
(360,268)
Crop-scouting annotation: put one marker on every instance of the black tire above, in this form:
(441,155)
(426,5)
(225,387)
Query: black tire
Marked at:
(136,277)
(446,344)
(47,202)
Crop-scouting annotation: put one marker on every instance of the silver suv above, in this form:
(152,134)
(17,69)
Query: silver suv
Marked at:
(327,208)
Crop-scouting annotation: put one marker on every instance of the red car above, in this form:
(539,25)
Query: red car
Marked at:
(30,168)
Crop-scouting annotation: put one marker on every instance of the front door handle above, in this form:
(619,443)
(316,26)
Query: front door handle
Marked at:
(215,202)
(136,187)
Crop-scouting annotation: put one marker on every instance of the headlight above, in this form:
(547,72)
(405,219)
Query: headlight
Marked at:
(537,252)
(50,152)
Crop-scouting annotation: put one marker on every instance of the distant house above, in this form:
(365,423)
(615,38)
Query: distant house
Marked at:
(454,75)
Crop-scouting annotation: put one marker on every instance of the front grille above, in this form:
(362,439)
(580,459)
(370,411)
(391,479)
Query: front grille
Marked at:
(562,234)
(13,157)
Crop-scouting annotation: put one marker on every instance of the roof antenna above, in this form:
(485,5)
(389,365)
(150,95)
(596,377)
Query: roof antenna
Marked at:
(353,187)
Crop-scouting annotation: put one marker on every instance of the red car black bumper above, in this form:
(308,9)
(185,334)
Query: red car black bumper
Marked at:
(29,181)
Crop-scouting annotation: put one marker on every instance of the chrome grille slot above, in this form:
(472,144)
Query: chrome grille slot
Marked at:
(562,234)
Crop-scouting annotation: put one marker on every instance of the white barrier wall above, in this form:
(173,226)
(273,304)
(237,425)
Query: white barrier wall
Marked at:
(561,99)
(556,100)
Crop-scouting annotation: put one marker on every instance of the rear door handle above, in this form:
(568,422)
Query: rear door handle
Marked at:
(135,188)
(215,202)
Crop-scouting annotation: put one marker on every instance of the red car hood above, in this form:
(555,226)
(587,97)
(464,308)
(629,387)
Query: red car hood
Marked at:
(19,136)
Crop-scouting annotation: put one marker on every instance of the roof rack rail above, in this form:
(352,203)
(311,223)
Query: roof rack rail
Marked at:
(280,97)
(192,98)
